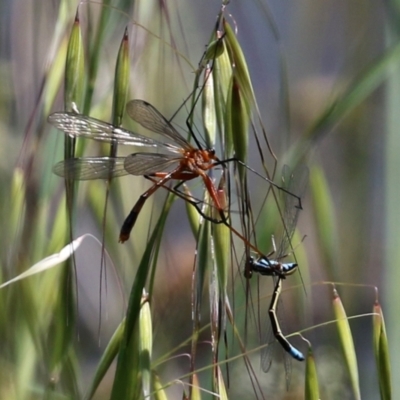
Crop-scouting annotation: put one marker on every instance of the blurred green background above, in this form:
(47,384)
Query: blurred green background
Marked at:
(303,55)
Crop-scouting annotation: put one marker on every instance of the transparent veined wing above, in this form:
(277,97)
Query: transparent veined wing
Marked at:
(150,118)
(78,125)
(90,168)
(295,182)
(149,163)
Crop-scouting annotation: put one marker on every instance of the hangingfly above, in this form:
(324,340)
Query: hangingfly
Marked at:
(296,183)
(180,161)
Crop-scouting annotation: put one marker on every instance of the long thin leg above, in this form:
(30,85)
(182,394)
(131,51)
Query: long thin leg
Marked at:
(214,197)
(297,354)
(195,203)
(233,159)
(130,220)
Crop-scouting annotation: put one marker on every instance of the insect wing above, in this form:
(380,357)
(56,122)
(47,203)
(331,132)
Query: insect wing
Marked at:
(150,118)
(149,163)
(295,182)
(90,168)
(78,125)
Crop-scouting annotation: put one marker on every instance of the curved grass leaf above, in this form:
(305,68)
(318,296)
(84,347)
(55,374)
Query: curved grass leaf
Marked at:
(127,375)
(106,360)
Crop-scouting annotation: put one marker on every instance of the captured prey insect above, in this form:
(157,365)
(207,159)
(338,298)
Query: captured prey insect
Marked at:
(180,161)
(295,182)
(280,271)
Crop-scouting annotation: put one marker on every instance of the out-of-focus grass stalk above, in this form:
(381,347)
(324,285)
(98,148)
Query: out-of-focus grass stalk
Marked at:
(346,101)
(391,252)
(95,53)
(324,221)
(17,209)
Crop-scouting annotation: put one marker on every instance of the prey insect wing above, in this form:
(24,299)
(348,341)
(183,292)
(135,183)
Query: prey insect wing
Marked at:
(295,183)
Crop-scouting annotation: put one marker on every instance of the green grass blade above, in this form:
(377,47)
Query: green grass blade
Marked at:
(106,360)
(146,346)
(208,109)
(238,61)
(347,343)
(222,78)
(381,351)
(311,378)
(127,374)
(74,84)
(121,81)
(322,207)
(240,114)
